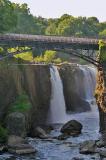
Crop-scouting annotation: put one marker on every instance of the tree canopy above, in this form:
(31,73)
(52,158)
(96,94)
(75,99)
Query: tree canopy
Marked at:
(17,18)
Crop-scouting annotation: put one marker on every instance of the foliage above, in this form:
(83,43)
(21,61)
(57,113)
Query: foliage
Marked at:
(48,57)
(16,18)
(8,18)
(22,104)
(26,22)
(103,34)
(39,59)
(27,56)
(3,134)
(102,49)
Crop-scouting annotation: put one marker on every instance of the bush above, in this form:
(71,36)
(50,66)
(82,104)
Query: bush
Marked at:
(3,134)
(22,104)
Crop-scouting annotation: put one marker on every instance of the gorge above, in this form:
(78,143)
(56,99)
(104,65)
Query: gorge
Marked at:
(34,80)
(49,90)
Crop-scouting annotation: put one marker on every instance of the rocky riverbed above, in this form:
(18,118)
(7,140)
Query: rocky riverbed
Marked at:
(54,149)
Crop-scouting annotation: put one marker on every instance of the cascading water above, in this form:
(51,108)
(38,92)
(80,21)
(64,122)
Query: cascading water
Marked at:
(57,112)
(89,84)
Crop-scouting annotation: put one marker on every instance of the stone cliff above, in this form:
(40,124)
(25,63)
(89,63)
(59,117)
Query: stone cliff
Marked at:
(79,85)
(34,80)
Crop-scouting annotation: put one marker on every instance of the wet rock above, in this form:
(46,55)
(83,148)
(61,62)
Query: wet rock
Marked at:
(21,149)
(13,140)
(88,147)
(3,148)
(19,145)
(100,144)
(103,152)
(77,158)
(48,129)
(72,128)
(40,133)
(16,124)
(63,137)
(11,158)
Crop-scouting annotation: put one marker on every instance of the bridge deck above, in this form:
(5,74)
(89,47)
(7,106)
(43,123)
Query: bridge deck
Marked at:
(48,41)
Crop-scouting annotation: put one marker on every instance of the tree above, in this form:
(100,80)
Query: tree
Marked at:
(8,17)
(103,34)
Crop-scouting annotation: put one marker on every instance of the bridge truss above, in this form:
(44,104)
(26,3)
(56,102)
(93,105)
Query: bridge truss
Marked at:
(84,48)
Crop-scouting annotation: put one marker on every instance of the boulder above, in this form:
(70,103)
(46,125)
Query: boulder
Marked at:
(63,137)
(40,133)
(18,145)
(16,124)
(103,152)
(13,140)
(21,149)
(100,143)
(88,147)
(3,148)
(72,128)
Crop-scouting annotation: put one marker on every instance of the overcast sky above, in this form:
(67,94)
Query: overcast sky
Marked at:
(56,8)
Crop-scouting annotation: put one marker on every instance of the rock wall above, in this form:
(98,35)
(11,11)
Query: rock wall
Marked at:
(7,89)
(79,85)
(36,82)
(100,92)
(32,79)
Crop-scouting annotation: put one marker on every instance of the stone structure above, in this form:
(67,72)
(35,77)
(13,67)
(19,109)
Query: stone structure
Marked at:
(100,92)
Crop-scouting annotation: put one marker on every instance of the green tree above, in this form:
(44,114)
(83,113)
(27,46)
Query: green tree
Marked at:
(103,34)
(8,17)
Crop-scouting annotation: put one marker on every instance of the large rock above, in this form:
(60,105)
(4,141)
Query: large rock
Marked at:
(88,147)
(79,85)
(21,149)
(40,133)
(18,145)
(13,140)
(103,152)
(72,128)
(16,124)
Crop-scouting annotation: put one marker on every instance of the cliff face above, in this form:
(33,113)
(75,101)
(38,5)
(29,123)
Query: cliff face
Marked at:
(79,85)
(7,90)
(34,80)
(100,92)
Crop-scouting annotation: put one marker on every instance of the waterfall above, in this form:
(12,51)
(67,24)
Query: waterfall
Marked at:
(89,83)
(84,85)
(57,112)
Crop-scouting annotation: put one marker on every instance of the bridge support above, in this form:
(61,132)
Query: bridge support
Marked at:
(100,92)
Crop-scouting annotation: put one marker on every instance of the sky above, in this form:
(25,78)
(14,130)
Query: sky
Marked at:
(56,8)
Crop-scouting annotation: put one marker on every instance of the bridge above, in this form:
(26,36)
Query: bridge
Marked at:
(69,45)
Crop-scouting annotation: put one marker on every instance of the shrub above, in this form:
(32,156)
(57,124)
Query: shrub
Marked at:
(22,104)
(3,134)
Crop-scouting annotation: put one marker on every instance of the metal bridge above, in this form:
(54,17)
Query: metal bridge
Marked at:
(81,47)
